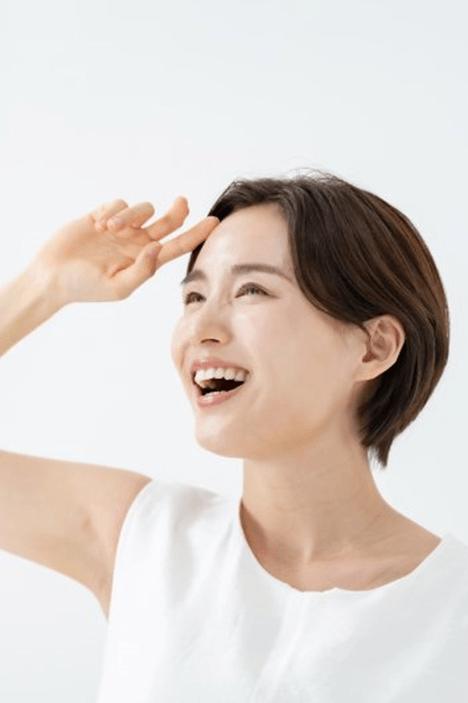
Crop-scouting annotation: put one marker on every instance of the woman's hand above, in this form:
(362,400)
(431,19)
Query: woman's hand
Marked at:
(97,259)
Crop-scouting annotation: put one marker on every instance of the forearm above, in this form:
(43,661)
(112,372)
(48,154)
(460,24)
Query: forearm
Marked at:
(25,303)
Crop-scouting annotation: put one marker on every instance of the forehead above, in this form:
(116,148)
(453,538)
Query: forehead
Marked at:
(255,233)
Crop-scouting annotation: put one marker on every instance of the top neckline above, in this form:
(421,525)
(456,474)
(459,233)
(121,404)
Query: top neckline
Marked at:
(421,568)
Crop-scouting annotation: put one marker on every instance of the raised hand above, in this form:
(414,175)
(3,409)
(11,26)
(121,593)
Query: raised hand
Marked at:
(97,258)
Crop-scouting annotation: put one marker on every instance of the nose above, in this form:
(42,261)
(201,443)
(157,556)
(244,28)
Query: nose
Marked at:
(208,324)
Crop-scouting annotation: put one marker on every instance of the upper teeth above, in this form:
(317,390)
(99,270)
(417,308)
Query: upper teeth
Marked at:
(203,376)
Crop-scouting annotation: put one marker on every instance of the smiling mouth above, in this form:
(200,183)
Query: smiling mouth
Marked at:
(218,385)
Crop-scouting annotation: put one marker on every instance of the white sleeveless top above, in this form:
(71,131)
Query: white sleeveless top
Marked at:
(194,617)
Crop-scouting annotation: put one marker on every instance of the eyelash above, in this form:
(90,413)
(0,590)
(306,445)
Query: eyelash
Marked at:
(246,287)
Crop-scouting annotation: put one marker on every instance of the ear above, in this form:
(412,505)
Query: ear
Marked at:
(383,346)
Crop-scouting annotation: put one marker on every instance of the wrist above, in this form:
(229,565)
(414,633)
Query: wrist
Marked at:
(41,289)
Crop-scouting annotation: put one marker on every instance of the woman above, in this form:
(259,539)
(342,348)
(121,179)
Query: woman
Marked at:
(315,329)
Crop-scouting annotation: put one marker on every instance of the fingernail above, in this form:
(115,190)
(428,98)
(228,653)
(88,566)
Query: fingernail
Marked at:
(116,221)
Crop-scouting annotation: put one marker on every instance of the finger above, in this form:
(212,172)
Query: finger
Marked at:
(187,241)
(128,279)
(99,211)
(155,254)
(131,216)
(110,209)
(171,220)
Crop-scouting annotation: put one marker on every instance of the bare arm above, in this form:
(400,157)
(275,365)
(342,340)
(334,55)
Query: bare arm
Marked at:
(25,303)
(43,514)
(65,515)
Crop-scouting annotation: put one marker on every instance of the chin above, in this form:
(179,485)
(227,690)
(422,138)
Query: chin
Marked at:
(225,443)
(219,443)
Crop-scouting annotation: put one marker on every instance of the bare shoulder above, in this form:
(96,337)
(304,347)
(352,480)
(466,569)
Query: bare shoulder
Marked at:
(405,548)
(421,543)
(65,515)
(413,539)
(406,545)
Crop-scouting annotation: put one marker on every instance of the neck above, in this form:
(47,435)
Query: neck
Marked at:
(299,513)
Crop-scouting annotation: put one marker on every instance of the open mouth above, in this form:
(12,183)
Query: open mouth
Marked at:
(218,385)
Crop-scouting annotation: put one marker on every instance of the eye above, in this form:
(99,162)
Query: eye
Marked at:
(248,286)
(252,286)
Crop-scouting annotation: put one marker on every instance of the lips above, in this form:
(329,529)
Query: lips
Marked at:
(214,399)
(198,390)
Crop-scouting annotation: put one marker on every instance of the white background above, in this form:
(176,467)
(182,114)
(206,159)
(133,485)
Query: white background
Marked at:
(148,100)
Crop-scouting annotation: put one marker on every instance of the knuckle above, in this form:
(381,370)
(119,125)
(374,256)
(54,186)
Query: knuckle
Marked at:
(179,247)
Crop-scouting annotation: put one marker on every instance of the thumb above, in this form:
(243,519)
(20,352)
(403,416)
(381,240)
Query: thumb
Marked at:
(144,266)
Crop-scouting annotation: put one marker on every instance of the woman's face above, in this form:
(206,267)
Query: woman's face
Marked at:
(301,367)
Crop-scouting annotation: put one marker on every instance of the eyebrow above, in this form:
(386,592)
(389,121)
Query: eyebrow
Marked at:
(237,269)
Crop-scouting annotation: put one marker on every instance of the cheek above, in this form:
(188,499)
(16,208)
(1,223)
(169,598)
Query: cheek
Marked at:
(304,364)
(176,344)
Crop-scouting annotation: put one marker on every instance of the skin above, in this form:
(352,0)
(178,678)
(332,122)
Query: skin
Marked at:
(309,498)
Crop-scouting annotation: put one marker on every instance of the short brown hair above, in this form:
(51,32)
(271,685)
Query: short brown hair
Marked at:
(356,257)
